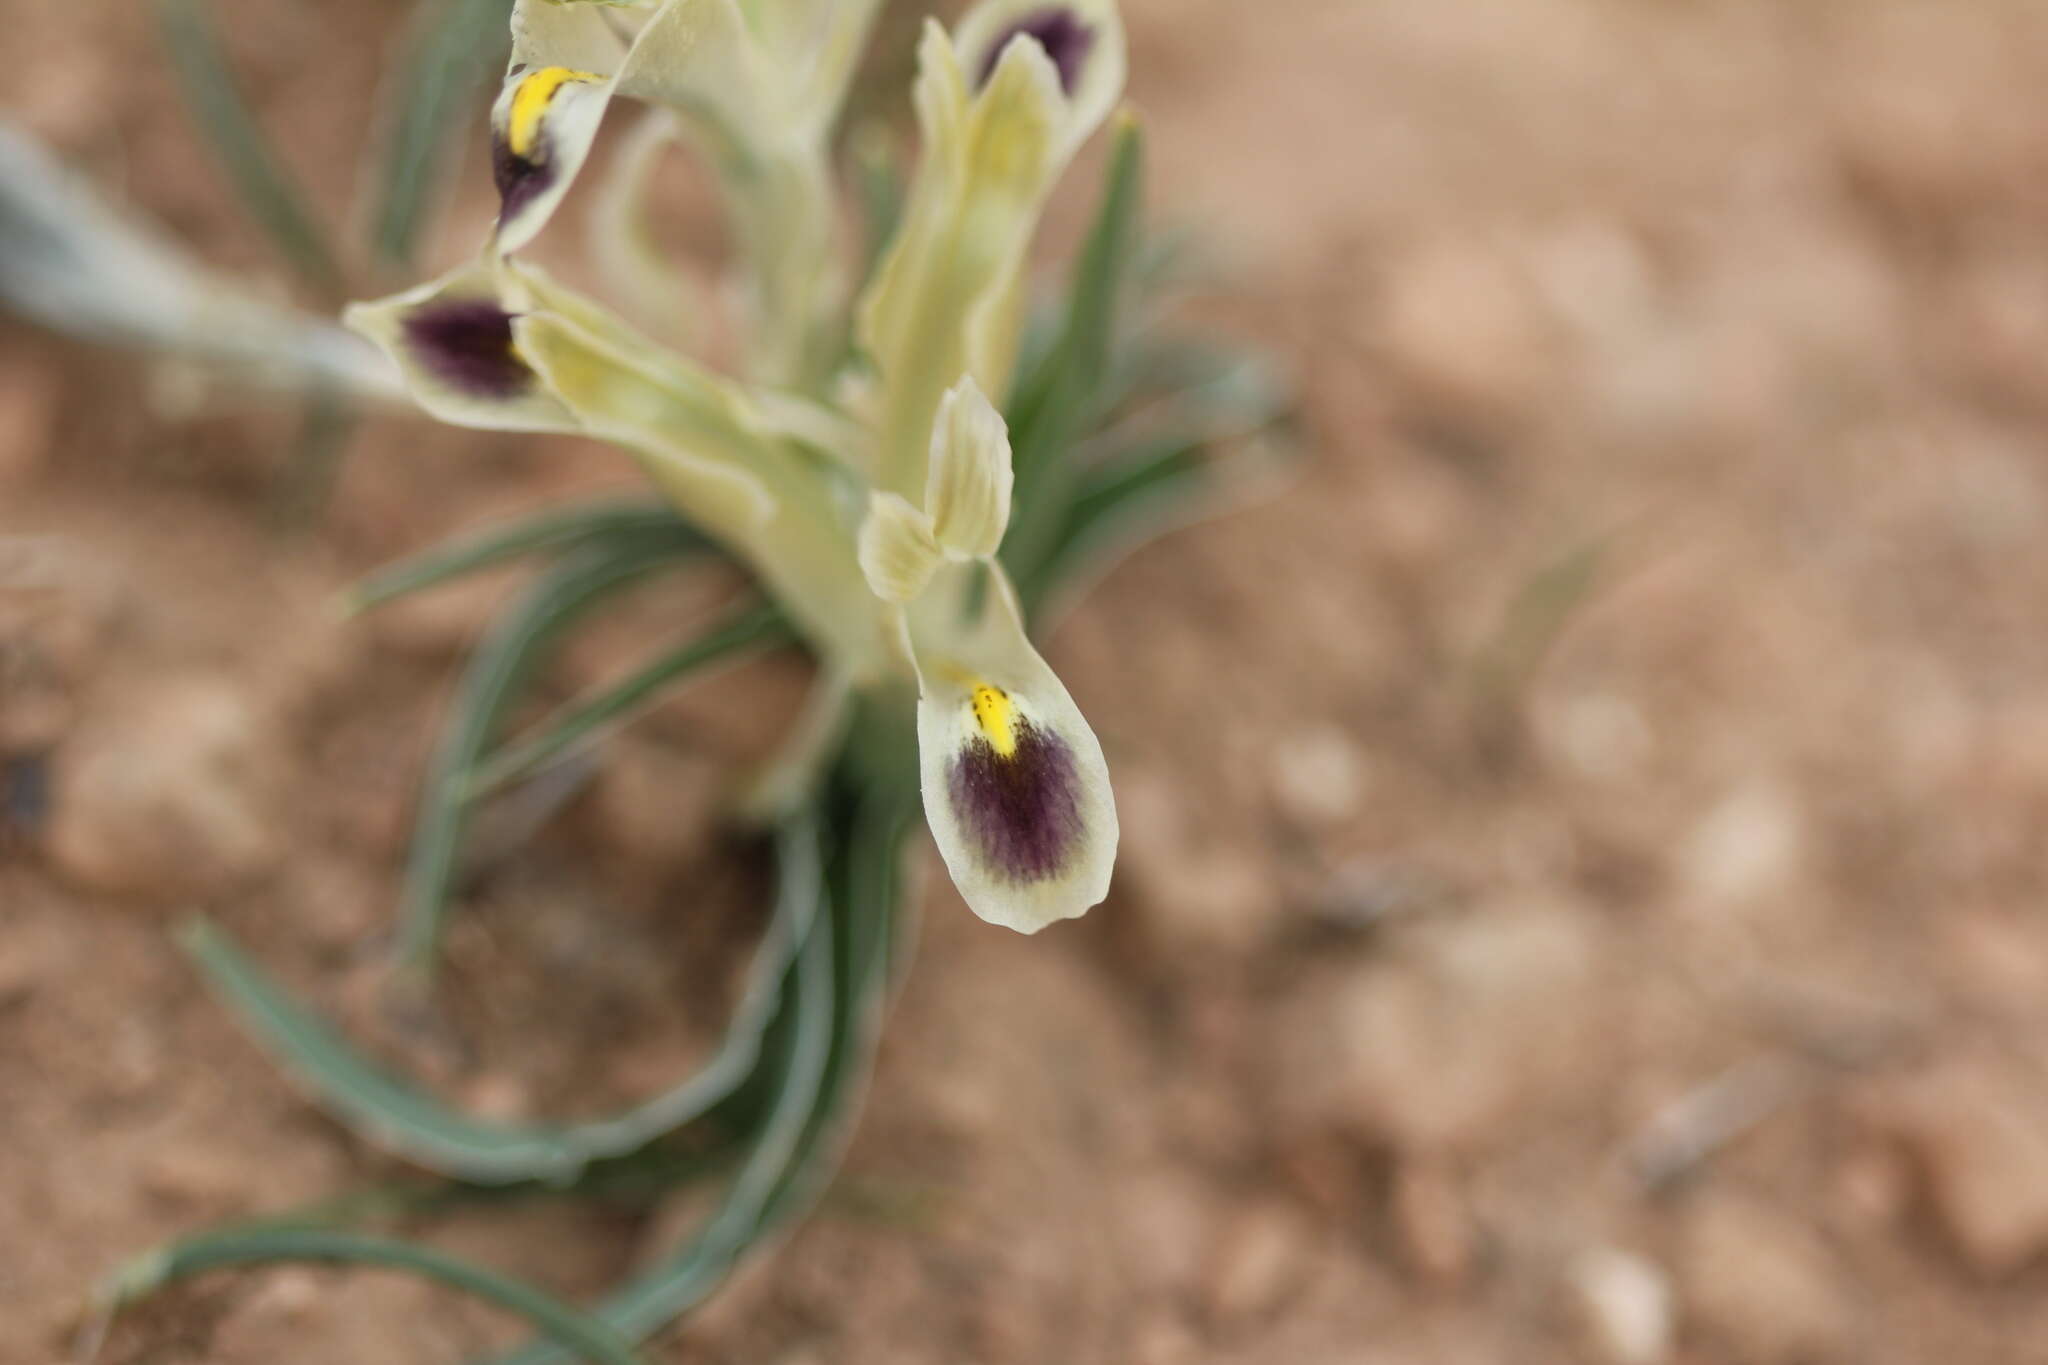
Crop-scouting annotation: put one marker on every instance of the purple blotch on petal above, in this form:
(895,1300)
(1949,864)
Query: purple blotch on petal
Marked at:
(467,345)
(1023,812)
(519,180)
(1059,31)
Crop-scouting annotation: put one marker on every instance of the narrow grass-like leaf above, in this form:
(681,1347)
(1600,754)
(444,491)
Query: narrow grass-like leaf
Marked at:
(810,1030)
(398,1118)
(245,152)
(1196,393)
(1133,492)
(1055,395)
(499,668)
(755,628)
(1063,396)
(1151,469)
(454,42)
(1159,483)
(873,895)
(579,1334)
(874,801)
(72,262)
(554,530)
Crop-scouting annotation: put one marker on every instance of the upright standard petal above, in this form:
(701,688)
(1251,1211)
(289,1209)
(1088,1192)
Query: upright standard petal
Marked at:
(1015,786)
(968,493)
(453,341)
(943,303)
(542,126)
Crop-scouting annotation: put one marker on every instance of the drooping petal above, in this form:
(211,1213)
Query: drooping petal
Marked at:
(898,553)
(570,57)
(943,302)
(542,126)
(1084,39)
(453,341)
(969,490)
(755,86)
(1015,786)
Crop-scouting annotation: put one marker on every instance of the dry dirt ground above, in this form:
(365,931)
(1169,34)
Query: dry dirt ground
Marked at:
(1583,893)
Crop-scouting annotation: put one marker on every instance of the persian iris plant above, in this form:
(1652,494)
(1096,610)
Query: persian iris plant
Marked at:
(909,463)
(874,516)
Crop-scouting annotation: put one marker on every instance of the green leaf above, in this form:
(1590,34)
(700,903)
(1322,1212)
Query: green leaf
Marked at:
(394,1116)
(1152,483)
(497,671)
(758,627)
(1064,395)
(1118,503)
(553,530)
(578,1334)
(1152,468)
(1054,399)
(245,153)
(453,45)
(872,892)
(811,1028)
(830,1038)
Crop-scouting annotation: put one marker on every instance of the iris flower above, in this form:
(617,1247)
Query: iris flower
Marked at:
(869,500)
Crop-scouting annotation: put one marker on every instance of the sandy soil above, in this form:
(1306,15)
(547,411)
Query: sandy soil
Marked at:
(1582,895)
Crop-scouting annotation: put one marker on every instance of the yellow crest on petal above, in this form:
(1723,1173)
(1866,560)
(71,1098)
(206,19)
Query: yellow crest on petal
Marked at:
(530,100)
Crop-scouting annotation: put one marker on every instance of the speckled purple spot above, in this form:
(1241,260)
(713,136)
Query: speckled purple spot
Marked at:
(1059,31)
(467,345)
(520,181)
(1022,812)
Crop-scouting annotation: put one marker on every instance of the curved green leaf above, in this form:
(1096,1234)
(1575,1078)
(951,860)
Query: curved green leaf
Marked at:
(809,1033)
(516,644)
(1064,396)
(759,627)
(238,140)
(830,1049)
(399,1118)
(553,530)
(454,43)
(578,1334)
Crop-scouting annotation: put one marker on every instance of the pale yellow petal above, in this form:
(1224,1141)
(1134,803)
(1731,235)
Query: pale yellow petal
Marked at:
(898,553)
(969,490)
(940,305)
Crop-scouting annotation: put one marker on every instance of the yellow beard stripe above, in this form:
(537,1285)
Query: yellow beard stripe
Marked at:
(530,103)
(996,714)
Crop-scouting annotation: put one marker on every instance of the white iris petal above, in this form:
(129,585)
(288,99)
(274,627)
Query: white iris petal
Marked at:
(1016,789)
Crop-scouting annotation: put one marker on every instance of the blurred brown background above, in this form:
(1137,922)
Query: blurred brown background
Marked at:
(1582,895)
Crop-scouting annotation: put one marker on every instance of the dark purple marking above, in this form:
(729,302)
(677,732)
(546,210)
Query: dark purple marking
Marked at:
(519,180)
(467,345)
(1059,31)
(1022,812)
